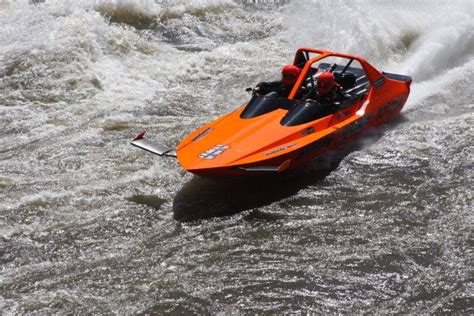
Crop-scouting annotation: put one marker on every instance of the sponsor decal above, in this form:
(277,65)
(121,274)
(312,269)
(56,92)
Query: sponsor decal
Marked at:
(379,82)
(355,127)
(213,152)
(271,152)
(309,130)
(315,146)
(389,107)
(202,134)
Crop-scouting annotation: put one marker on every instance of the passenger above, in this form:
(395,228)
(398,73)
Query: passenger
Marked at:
(327,90)
(283,87)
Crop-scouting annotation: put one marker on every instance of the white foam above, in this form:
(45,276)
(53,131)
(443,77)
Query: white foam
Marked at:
(137,72)
(440,84)
(447,43)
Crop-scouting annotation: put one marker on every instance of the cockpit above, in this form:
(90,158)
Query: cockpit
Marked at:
(349,74)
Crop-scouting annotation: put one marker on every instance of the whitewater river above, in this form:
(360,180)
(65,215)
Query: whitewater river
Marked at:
(90,224)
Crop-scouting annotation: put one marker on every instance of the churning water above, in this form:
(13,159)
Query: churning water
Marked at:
(87,221)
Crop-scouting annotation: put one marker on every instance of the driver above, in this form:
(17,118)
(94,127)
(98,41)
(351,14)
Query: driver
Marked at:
(289,75)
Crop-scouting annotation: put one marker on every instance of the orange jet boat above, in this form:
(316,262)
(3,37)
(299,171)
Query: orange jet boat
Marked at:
(273,135)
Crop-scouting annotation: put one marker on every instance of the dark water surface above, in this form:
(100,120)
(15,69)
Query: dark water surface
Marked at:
(87,221)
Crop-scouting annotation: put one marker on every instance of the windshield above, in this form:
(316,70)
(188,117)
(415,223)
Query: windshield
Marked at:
(261,104)
(305,112)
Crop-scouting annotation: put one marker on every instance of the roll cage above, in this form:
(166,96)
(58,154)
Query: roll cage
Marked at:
(355,82)
(304,60)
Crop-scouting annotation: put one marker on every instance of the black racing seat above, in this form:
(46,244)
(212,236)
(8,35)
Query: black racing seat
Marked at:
(347,80)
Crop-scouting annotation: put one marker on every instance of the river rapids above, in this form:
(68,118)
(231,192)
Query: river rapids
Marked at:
(90,224)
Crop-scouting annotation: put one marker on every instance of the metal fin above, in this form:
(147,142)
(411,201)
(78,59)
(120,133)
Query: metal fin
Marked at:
(152,147)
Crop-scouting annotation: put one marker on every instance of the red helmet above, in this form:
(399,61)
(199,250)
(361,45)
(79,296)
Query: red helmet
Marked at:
(326,82)
(289,75)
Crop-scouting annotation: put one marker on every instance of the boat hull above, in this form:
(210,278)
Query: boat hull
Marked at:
(298,158)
